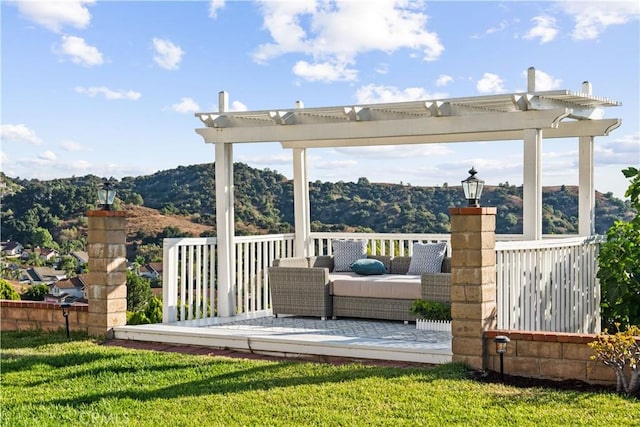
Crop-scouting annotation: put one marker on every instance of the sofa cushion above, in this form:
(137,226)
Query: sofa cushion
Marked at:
(322,261)
(427,258)
(368,266)
(395,286)
(291,262)
(346,252)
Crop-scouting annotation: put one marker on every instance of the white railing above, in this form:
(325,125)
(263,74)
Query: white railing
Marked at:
(254,255)
(379,243)
(548,285)
(189,276)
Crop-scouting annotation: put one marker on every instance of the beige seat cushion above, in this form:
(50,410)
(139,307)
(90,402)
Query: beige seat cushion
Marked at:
(396,286)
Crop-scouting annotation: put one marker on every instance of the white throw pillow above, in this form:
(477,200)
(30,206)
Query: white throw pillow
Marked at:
(346,252)
(427,258)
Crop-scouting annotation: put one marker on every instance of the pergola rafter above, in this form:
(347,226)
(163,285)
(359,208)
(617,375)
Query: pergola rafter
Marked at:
(528,116)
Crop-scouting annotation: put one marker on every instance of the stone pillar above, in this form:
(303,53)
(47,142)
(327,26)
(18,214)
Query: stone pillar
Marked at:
(107,279)
(473,282)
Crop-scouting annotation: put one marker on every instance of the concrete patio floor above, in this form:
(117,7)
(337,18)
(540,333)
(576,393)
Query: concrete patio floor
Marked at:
(302,338)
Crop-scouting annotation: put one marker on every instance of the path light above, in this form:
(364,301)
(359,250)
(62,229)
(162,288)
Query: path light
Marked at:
(501,348)
(106,196)
(65,312)
(472,188)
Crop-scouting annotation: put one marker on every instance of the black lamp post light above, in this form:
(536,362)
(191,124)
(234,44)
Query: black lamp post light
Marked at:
(472,188)
(65,312)
(501,348)
(106,196)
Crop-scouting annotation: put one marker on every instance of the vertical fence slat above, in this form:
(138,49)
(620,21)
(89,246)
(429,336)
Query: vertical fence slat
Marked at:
(552,285)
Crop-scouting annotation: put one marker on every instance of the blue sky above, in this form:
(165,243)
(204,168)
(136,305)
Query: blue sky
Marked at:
(111,87)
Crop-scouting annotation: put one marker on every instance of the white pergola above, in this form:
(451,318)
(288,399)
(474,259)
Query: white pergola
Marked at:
(518,116)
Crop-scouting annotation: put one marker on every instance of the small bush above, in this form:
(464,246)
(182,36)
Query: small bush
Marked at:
(35,293)
(617,351)
(431,310)
(7,291)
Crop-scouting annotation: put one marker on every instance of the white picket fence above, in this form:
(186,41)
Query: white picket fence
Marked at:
(548,285)
(433,325)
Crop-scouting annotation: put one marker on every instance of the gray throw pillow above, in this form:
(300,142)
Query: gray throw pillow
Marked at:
(427,258)
(346,252)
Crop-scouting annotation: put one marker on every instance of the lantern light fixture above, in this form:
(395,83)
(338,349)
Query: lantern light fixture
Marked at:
(472,188)
(65,312)
(501,348)
(106,196)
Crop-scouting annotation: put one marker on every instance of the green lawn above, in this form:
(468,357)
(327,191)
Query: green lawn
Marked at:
(48,381)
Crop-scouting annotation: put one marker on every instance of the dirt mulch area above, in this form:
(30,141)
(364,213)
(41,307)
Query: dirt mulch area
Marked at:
(523,382)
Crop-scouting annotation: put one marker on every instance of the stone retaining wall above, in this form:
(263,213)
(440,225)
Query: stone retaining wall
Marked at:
(550,355)
(38,315)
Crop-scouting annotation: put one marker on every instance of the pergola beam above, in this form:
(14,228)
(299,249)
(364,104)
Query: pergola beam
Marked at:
(564,130)
(381,129)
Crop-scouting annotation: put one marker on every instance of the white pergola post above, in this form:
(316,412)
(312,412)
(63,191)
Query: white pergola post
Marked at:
(302,246)
(532,185)
(586,187)
(225,226)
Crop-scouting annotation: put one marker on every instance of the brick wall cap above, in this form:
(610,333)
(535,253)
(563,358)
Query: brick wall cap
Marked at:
(473,211)
(107,213)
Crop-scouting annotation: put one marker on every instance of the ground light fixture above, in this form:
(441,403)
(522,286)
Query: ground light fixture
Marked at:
(501,348)
(472,188)
(65,312)
(106,196)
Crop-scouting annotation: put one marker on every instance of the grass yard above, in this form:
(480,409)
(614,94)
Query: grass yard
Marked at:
(48,381)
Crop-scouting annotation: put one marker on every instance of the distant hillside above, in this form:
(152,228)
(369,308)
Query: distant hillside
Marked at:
(152,222)
(181,201)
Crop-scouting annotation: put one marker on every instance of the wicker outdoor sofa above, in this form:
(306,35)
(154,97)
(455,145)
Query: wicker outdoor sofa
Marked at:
(310,287)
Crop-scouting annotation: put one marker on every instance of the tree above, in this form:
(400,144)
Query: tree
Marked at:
(68,264)
(36,293)
(7,291)
(42,237)
(138,292)
(619,269)
(153,311)
(34,259)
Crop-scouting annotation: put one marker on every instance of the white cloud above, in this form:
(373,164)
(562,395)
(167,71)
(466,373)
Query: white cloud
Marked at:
(326,71)
(335,33)
(19,133)
(382,152)
(545,29)
(80,165)
(186,105)
(338,165)
(47,156)
(238,106)
(544,81)
(503,25)
(79,51)
(54,15)
(624,151)
(371,94)
(592,18)
(443,80)
(109,93)
(282,159)
(214,6)
(69,145)
(168,55)
(490,83)
(382,69)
